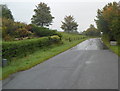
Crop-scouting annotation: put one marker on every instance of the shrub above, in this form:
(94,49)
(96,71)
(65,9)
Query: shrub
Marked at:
(22,32)
(59,34)
(14,29)
(8,38)
(55,38)
(21,48)
(42,31)
(7,26)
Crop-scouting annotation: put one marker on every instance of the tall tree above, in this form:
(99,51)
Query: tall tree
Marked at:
(6,13)
(108,20)
(69,25)
(42,15)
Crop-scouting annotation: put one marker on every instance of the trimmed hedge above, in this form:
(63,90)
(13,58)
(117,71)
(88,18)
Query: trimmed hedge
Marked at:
(21,48)
(42,31)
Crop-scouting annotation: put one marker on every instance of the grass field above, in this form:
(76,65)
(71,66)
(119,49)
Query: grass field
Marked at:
(20,64)
(115,49)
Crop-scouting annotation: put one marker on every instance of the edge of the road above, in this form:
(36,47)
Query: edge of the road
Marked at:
(7,80)
(11,77)
(60,53)
(104,46)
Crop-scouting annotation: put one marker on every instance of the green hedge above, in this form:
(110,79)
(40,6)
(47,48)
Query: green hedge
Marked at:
(42,31)
(21,48)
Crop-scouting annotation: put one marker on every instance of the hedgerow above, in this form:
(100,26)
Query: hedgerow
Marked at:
(21,48)
(42,31)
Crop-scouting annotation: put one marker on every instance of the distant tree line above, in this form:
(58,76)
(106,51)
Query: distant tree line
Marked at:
(91,31)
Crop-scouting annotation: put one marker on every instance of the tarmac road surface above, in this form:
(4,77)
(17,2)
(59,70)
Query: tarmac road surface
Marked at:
(89,65)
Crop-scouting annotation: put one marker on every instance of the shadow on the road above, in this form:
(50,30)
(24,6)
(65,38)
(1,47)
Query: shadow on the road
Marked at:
(104,47)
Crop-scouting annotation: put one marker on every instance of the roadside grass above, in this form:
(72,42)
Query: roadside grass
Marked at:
(115,49)
(24,63)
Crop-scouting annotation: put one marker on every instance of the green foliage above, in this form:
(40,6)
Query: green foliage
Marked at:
(92,31)
(17,31)
(8,25)
(71,37)
(6,13)
(7,29)
(42,31)
(22,32)
(115,49)
(41,55)
(108,21)
(11,30)
(42,15)
(55,38)
(69,25)
(21,48)
(115,26)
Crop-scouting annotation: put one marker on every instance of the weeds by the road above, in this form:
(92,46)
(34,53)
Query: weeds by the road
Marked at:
(115,49)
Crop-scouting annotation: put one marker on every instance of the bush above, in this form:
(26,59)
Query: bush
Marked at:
(42,31)
(8,38)
(55,38)
(11,29)
(21,48)
(22,32)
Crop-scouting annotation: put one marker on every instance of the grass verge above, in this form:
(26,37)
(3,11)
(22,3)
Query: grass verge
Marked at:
(115,49)
(24,63)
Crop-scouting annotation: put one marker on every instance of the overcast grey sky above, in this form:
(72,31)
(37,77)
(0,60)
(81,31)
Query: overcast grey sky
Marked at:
(84,11)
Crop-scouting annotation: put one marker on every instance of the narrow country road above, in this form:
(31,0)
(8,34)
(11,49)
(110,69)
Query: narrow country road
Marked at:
(89,65)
